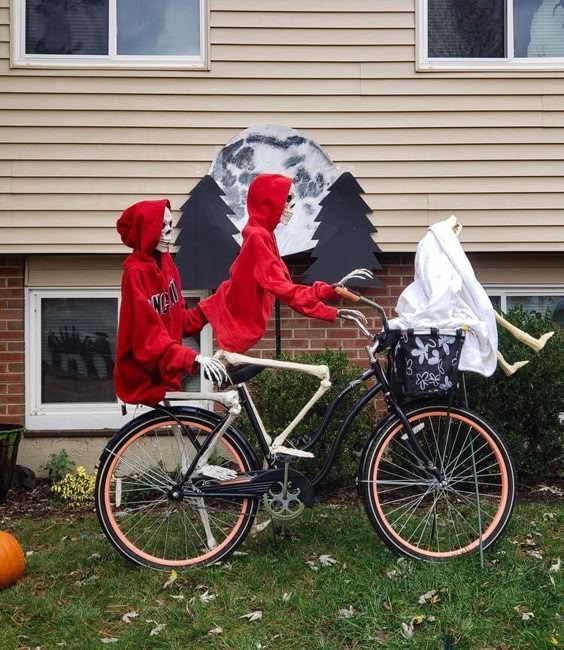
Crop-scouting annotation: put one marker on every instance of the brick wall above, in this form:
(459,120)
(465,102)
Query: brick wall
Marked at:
(301,334)
(12,339)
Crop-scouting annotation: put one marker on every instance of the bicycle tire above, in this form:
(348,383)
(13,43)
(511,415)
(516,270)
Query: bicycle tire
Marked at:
(136,469)
(402,499)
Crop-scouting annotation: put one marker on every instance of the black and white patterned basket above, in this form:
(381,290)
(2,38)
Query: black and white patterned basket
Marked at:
(424,361)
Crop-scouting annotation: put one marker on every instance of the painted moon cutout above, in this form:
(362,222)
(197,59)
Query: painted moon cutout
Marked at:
(274,149)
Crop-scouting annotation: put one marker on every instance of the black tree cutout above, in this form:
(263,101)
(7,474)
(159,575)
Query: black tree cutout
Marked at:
(207,247)
(344,235)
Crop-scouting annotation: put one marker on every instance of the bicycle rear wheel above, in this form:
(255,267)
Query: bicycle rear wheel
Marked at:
(135,506)
(421,516)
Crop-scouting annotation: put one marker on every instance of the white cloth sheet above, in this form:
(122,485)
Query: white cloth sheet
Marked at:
(446,294)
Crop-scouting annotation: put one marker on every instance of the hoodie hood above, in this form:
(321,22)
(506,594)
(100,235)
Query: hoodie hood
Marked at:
(140,226)
(266,200)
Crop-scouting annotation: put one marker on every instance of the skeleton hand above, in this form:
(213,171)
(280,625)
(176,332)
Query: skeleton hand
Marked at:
(357,274)
(351,314)
(214,370)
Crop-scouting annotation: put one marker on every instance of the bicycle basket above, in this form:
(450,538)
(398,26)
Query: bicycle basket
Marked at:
(424,362)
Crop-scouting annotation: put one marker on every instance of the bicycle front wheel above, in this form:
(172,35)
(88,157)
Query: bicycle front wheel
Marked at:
(134,499)
(436,518)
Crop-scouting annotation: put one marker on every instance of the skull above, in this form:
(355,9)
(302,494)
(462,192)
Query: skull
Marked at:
(289,206)
(166,232)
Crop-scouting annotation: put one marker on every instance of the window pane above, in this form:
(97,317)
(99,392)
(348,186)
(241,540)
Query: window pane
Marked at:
(166,27)
(539,304)
(66,27)
(496,302)
(78,343)
(539,28)
(466,28)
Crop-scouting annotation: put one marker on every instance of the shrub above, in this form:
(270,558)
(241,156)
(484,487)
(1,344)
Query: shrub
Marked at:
(280,394)
(76,490)
(58,465)
(525,407)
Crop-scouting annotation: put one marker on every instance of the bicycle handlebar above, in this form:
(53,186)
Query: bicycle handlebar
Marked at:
(354,296)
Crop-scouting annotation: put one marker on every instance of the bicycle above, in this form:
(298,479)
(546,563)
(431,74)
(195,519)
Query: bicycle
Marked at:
(180,486)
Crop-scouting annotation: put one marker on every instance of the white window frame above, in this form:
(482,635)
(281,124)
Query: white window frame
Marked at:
(112,60)
(79,416)
(425,64)
(505,290)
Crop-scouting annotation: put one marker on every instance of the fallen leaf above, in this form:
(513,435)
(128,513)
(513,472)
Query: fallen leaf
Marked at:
(407,630)
(554,641)
(206,596)
(381,636)
(418,620)
(548,515)
(95,556)
(286,597)
(177,597)
(215,630)
(127,618)
(327,560)
(426,596)
(555,568)
(527,616)
(346,613)
(536,554)
(252,616)
(158,629)
(109,639)
(172,577)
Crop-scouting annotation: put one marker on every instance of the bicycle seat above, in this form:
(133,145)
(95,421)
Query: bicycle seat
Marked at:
(245,372)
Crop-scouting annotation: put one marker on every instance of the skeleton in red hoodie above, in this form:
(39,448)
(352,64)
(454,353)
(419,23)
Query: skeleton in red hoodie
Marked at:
(240,309)
(153,319)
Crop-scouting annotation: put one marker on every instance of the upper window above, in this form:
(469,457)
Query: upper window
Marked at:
(490,34)
(118,33)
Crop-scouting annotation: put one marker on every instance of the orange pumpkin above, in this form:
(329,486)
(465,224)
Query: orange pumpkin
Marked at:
(12,560)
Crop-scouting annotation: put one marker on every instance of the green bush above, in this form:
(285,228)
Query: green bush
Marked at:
(58,465)
(280,394)
(524,408)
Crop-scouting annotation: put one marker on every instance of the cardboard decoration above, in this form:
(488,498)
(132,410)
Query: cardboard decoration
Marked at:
(344,235)
(206,238)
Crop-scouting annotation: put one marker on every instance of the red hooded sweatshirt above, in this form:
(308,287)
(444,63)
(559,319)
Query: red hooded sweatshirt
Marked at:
(153,318)
(240,309)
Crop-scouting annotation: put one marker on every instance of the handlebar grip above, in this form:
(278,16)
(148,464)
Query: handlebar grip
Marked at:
(347,293)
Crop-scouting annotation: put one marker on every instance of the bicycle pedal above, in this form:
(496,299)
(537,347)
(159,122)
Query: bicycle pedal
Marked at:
(219,473)
(289,453)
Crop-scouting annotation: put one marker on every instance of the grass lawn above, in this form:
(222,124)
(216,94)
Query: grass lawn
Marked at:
(76,590)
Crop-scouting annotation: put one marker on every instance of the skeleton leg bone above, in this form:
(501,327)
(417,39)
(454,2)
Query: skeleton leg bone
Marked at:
(535,344)
(509,368)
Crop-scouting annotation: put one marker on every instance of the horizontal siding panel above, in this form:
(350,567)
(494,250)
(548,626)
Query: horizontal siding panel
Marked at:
(303,104)
(75,186)
(324,6)
(5,16)
(86,202)
(490,247)
(425,143)
(513,94)
(312,53)
(219,70)
(493,202)
(102,164)
(447,186)
(380,218)
(300,120)
(288,19)
(511,89)
(157,157)
(4,33)
(428,160)
(372,70)
(534,185)
(304,37)
(182,91)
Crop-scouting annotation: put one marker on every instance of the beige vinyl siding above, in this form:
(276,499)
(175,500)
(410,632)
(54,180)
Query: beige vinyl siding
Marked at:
(78,146)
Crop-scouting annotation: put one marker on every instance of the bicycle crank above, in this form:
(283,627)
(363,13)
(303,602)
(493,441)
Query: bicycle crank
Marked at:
(281,504)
